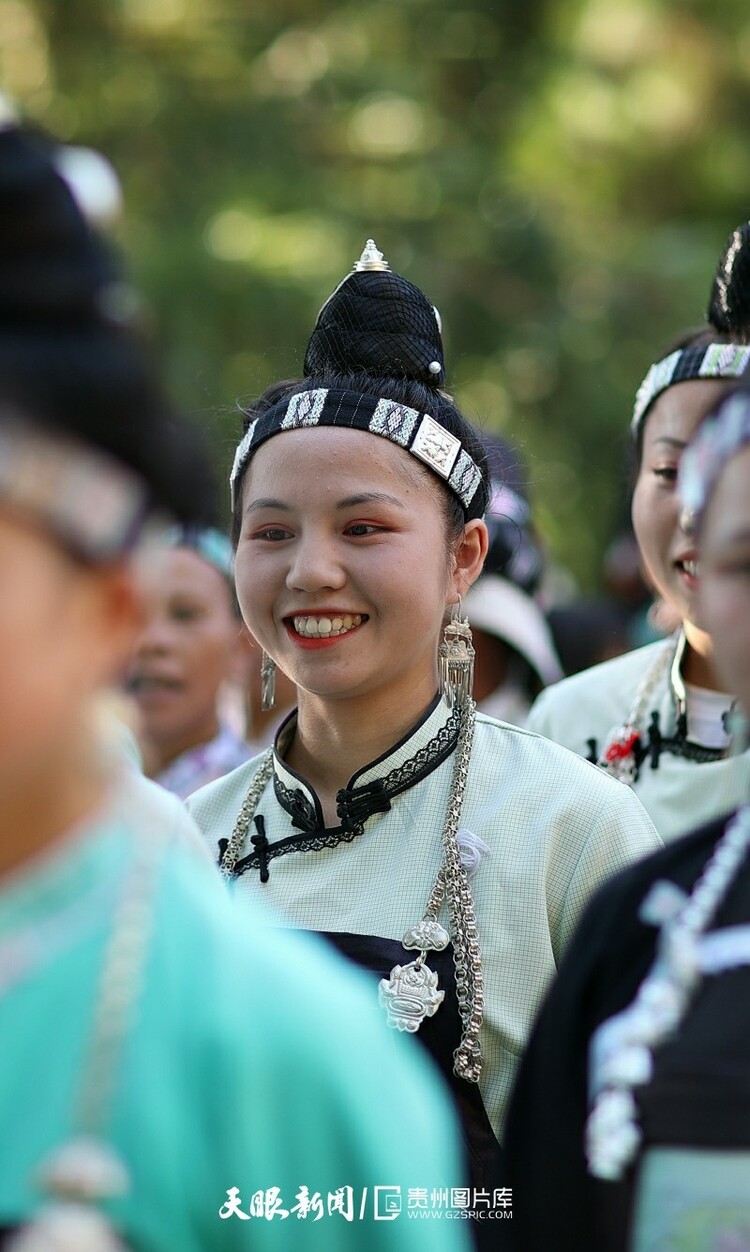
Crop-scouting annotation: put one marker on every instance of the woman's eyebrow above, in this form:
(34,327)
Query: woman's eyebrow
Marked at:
(369,497)
(673,443)
(266,502)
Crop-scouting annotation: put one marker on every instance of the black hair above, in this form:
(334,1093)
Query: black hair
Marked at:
(69,359)
(693,337)
(727,316)
(379,335)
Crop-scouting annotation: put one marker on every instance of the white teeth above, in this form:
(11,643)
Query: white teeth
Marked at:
(315,627)
(691,568)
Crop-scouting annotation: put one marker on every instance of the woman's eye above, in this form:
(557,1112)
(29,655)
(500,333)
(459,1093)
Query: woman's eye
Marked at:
(275,534)
(185,613)
(358,529)
(667,473)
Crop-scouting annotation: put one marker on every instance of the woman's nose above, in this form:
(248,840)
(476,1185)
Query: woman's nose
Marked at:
(156,636)
(315,565)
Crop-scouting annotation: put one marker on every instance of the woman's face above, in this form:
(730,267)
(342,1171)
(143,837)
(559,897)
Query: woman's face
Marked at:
(65,630)
(186,649)
(725,575)
(670,555)
(342,570)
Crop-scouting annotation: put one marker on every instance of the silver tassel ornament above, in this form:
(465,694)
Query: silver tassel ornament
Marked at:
(456,660)
(267,682)
(79,1175)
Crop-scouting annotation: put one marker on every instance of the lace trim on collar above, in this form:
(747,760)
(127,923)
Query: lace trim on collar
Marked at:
(354,804)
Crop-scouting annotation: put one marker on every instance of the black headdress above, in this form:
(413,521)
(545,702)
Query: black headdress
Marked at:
(88,441)
(377,325)
(721,351)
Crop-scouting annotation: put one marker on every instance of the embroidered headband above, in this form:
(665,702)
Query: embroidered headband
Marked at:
(417,432)
(94,504)
(211,544)
(715,360)
(719,439)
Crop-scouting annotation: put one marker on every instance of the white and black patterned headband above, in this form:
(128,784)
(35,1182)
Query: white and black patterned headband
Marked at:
(715,360)
(418,433)
(95,505)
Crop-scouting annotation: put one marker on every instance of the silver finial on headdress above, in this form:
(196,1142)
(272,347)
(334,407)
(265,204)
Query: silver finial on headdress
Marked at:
(371,258)
(91,180)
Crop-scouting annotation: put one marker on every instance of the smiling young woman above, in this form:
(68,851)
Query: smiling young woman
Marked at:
(448,853)
(138,1095)
(659,718)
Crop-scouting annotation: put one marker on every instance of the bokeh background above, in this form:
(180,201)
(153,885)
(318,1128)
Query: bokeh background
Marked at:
(559,175)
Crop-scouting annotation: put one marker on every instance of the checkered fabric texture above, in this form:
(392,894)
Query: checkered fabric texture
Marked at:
(556,827)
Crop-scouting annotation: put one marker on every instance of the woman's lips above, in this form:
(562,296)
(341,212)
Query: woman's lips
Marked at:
(689,570)
(321,630)
(139,684)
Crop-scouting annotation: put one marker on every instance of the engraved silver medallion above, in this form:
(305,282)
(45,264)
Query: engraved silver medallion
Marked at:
(410,995)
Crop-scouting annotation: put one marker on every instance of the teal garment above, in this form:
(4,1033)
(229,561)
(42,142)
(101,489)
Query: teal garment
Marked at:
(257,1061)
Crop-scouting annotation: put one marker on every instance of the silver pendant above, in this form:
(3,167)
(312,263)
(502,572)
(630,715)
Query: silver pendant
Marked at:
(65,1226)
(267,683)
(77,1175)
(427,935)
(410,995)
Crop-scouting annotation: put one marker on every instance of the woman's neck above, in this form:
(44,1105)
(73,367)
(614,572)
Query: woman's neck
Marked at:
(41,804)
(159,753)
(336,738)
(697,663)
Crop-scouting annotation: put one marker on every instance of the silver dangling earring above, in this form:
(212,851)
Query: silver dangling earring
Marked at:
(267,682)
(456,659)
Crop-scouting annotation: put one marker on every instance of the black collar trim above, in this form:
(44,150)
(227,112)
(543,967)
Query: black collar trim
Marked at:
(651,743)
(354,803)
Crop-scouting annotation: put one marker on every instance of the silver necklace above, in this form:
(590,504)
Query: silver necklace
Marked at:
(41,940)
(411,992)
(621,1054)
(85,1170)
(620,754)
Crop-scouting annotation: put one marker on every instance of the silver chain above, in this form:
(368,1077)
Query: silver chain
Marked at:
(625,769)
(121,983)
(623,1046)
(235,847)
(452,881)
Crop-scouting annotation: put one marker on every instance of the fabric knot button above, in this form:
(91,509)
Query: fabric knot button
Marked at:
(355,806)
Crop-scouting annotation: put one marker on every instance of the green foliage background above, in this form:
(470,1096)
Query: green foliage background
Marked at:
(559,175)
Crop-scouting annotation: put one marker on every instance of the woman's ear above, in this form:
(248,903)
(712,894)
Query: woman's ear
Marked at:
(469,554)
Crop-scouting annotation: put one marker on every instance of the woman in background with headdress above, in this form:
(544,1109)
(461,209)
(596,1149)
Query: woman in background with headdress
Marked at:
(189,651)
(632,1112)
(658,718)
(158,1054)
(444,851)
